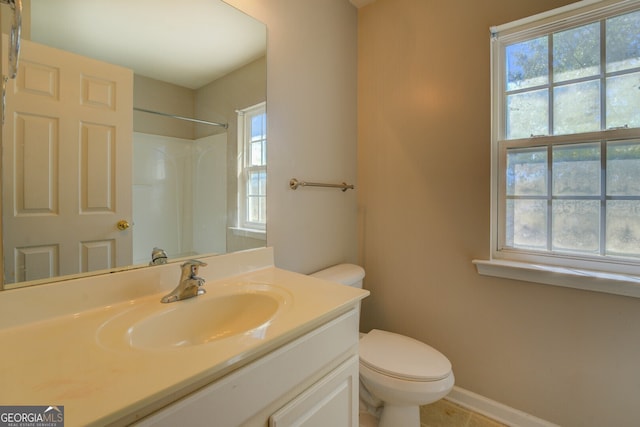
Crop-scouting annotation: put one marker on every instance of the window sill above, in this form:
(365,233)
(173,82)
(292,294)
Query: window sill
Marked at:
(249,232)
(596,281)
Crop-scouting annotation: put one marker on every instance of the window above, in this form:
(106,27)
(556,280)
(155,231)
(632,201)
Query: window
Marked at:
(566,138)
(252,168)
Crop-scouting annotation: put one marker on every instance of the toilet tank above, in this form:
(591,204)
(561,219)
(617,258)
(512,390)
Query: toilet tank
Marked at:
(346,274)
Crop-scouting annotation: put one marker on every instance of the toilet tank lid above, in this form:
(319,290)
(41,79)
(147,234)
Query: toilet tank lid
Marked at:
(347,274)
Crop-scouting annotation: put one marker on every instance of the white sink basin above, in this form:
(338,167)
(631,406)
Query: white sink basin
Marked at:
(207,320)
(200,320)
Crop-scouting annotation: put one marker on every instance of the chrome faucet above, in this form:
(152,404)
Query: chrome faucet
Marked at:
(190,284)
(158,256)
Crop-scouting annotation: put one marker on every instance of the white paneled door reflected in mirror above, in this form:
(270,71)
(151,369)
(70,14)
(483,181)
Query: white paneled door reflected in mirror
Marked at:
(80,158)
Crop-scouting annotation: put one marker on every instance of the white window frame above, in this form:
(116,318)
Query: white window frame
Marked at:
(617,276)
(245,227)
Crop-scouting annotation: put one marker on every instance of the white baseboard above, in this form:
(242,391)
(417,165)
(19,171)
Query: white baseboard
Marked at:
(495,410)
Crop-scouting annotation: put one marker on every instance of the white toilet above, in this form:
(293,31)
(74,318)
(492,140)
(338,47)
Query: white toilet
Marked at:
(397,373)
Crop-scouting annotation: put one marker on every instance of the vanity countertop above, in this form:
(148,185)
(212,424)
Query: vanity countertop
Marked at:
(73,360)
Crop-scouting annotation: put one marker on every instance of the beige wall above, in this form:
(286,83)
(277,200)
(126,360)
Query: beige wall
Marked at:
(311,109)
(567,356)
(219,100)
(163,97)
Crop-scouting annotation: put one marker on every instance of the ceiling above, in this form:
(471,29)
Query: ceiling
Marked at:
(188,43)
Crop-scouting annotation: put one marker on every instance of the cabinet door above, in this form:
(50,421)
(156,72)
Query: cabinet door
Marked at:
(332,401)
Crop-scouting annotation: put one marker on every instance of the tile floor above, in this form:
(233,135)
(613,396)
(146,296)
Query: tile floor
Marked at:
(442,414)
(447,414)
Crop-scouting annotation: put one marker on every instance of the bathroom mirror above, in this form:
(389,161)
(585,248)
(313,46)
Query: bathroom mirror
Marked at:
(197,59)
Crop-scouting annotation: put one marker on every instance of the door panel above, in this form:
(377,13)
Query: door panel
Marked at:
(67,150)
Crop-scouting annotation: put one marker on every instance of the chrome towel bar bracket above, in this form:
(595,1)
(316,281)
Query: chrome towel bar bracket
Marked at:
(294,184)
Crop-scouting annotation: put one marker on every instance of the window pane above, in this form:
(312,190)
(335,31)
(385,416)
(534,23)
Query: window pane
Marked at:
(256,197)
(264,152)
(257,209)
(527,64)
(623,42)
(576,108)
(576,170)
(527,172)
(253,211)
(623,227)
(528,114)
(258,140)
(623,169)
(526,224)
(576,225)
(254,184)
(257,183)
(623,100)
(258,126)
(257,151)
(576,53)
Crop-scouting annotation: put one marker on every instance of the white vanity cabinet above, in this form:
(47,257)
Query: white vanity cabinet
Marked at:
(296,366)
(310,381)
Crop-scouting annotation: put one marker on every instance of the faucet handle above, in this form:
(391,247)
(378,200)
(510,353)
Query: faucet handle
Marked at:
(158,256)
(192,266)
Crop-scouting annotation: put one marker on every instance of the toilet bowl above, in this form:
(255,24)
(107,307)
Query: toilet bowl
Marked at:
(404,374)
(398,374)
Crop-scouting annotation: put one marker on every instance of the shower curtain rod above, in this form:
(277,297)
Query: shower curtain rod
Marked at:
(189,119)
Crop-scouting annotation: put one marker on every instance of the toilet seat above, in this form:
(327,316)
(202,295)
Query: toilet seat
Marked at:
(402,357)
